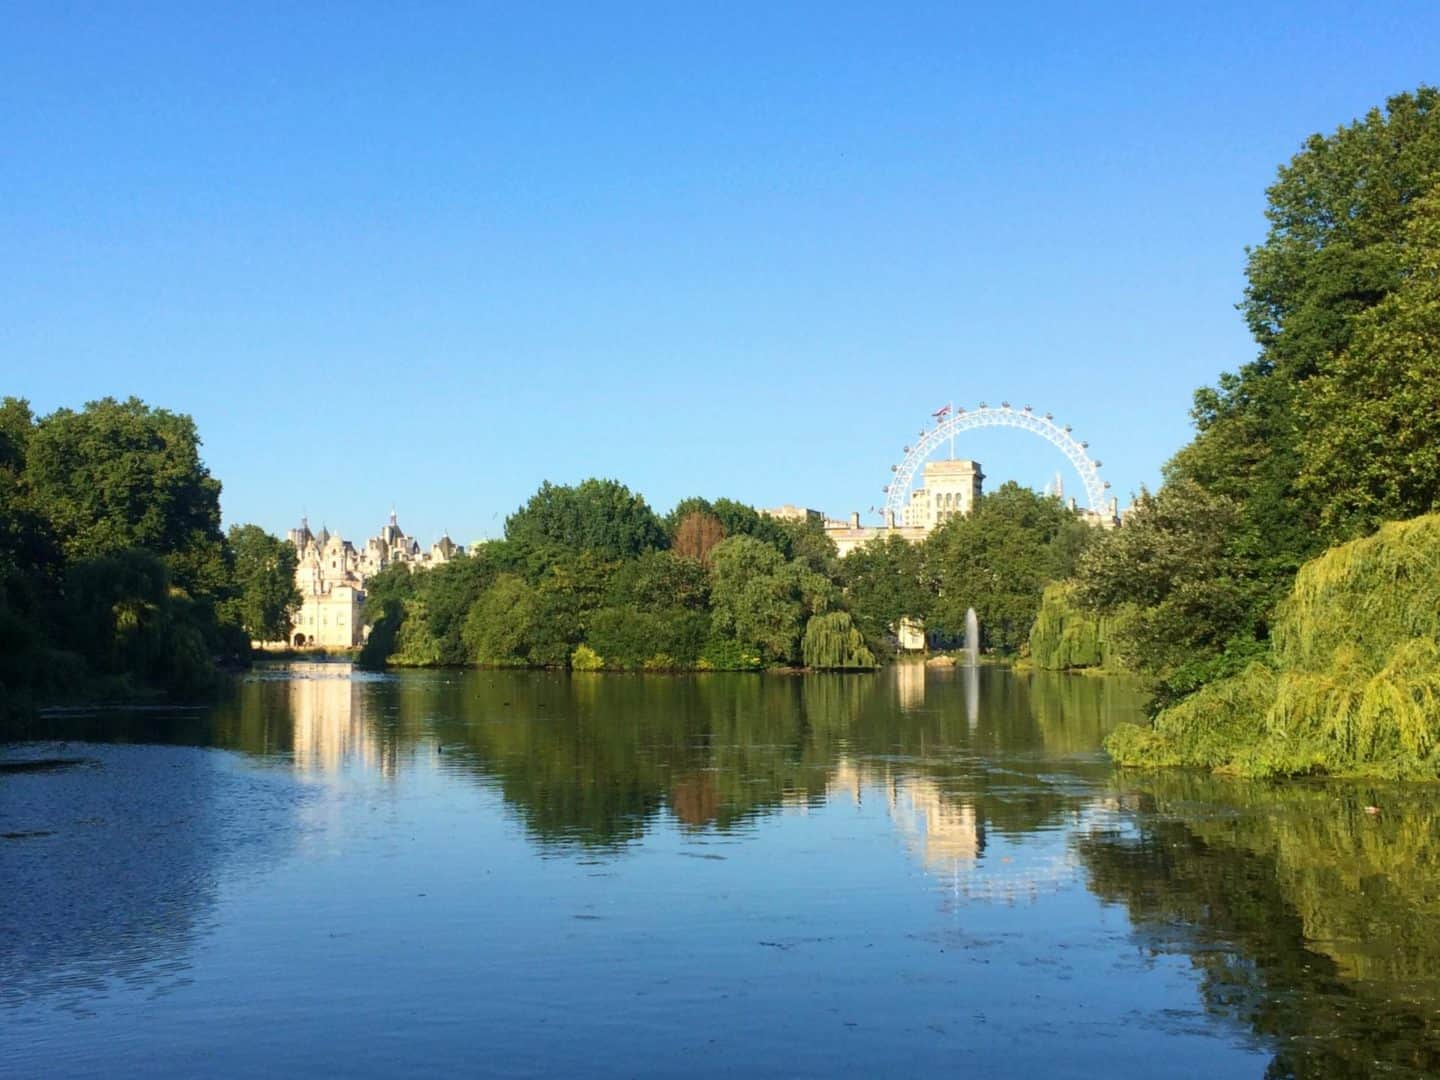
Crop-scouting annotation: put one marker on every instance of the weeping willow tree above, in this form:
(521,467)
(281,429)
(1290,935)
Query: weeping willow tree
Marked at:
(833,643)
(1352,685)
(1065,636)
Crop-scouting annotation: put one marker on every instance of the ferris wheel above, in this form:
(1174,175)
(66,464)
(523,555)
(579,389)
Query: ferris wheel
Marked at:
(950,422)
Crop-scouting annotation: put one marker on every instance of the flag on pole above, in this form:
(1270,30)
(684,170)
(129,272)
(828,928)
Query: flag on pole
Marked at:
(940,414)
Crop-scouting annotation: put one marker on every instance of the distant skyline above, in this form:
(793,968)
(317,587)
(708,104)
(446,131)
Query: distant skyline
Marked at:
(429,258)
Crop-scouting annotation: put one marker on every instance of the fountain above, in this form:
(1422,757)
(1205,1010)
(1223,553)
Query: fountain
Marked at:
(972,638)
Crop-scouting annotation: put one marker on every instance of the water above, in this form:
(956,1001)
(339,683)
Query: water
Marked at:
(524,874)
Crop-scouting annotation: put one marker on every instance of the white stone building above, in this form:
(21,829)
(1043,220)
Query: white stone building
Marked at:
(331,574)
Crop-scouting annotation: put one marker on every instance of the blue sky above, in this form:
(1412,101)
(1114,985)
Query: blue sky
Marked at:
(430,255)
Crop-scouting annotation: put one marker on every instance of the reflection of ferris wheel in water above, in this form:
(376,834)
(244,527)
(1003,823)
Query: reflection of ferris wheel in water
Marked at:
(950,422)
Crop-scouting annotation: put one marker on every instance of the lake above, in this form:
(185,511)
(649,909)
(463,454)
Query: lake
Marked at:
(533,873)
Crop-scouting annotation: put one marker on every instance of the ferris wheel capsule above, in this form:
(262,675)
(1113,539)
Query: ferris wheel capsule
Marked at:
(1004,404)
(1084,445)
(1049,416)
(983,405)
(1029,409)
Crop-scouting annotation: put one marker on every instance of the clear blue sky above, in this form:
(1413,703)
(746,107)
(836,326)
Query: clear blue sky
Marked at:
(431,255)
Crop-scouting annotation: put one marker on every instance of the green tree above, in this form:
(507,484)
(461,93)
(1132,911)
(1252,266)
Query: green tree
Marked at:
(761,601)
(884,582)
(121,475)
(1178,586)
(1370,442)
(500,626)
(1339,215)
(599,516)
(998,560)
(832,643)
(263,598)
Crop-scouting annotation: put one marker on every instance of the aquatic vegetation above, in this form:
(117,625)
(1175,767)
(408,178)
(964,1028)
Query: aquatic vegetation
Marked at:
(1352,684)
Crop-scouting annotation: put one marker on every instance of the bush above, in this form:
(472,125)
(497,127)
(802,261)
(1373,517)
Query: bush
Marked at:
(585,658)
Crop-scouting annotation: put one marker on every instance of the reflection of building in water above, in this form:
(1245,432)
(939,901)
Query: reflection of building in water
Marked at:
(937,831)
(946,834)
(910,682)
(330,733)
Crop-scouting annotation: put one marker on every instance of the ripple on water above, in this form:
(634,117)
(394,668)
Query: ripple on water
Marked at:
(111,864)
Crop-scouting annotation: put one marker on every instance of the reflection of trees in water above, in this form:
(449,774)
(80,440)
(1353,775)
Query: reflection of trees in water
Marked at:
(118,887)
(594,759)
(1313,922)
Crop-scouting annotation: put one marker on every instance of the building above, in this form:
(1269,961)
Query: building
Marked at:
(331,573)
(793,513)
(948,488)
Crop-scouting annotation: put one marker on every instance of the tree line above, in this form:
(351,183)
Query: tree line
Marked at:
(590,577)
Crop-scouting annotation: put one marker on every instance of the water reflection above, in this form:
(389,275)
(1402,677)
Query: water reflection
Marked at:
(112,868)
(935,803)
(1312,919)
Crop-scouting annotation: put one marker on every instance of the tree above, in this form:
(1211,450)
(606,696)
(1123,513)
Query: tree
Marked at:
(696,535)
(120,475)
(1339,215)
(998,560)
(263,597)
(599,516)
(1178,586)
(761,601)
(832,643)
(499,626)
(735,518)
(1370,442)
(884,583)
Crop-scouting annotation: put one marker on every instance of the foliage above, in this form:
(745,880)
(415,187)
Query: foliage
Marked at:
(126,621)
(832,643)
(998,560)
(264,598)
(1370,433)
(736,519)
(122,475)
(696,535)
(584,658)
(417,644)
(114,578)
(500,624)
(1065,636)
(1174,587)
(761,601)
(599,516)
(884,583)
(1355,684)
(1330,428)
